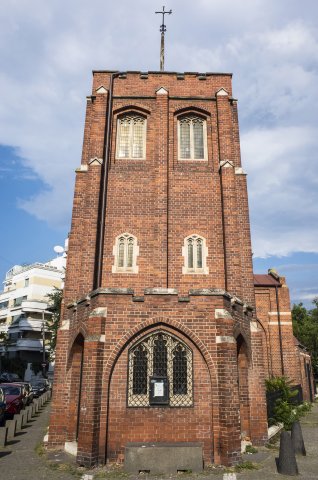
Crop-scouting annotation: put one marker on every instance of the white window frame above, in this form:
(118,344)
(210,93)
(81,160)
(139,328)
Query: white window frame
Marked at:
(195,269)
(131,116)
(205,142)
(125,269)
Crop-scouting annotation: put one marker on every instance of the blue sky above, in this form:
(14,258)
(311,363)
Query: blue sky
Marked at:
(47,52)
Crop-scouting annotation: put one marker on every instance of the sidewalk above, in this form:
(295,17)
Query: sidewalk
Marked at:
(21,461)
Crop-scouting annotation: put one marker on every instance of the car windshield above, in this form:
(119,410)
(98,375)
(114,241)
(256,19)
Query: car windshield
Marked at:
(8,390)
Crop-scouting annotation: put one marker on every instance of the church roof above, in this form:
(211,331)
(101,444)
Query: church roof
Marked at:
(265,280)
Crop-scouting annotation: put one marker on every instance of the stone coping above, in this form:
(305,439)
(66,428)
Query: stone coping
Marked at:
(195,292)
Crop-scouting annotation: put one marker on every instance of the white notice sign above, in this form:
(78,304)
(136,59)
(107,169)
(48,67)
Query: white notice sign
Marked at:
(158,390)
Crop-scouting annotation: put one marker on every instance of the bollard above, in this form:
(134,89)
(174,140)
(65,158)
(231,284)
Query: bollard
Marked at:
(36,405)
(33,409)
(24,414)
(18,417)
(29,413)
(297,439)
(11,424)
(3,436)
(286,463)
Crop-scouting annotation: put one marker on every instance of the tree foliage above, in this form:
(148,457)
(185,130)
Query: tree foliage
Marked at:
(305,325)
(54,305)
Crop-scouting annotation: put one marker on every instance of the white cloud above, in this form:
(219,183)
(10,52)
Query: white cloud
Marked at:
(49,49)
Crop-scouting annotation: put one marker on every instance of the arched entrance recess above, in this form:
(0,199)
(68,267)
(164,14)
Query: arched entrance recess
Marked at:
(242,363)
(76,373)
(188,414)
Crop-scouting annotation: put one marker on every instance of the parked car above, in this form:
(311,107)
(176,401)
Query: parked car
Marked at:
(39,387)
(29,391)
(6,377)
(15,396)
(2,407)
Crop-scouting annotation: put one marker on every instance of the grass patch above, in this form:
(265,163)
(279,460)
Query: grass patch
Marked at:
(250,449)
(111,474)
(67,468)
(240,467)
(40,449)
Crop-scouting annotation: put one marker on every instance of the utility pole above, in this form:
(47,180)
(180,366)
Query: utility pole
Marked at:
(162,45)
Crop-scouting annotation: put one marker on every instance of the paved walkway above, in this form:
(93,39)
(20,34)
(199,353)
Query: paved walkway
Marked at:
(21,461)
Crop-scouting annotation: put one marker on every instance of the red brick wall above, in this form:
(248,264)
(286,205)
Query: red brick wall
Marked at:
(285,358)
(161,200)
(160,424)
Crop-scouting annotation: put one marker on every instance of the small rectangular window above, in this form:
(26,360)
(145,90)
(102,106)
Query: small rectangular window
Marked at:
(131,137)
(192,139)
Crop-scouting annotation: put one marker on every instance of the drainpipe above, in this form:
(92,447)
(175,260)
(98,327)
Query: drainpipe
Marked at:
(279,331)
(103,189)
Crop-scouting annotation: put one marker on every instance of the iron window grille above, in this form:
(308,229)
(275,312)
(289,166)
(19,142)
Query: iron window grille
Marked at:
(192,138)
(131,137)
(163,355)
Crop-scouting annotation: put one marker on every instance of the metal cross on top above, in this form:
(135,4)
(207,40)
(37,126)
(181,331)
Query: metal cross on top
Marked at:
(162,46)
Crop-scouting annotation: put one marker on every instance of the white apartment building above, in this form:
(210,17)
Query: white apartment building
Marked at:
(24,307)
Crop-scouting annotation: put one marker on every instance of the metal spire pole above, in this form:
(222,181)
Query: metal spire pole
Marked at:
(162,44)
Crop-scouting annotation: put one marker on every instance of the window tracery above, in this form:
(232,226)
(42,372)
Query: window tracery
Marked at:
(195,252)
(131,136)
(192,138)
(163,355)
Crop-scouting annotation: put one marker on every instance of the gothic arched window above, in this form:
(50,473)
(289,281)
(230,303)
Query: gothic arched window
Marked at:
(131,136)
(125,252)
(192,144)
(195,252)
(164,355)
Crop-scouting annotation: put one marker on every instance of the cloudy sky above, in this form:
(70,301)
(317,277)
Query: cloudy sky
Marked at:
(47,52)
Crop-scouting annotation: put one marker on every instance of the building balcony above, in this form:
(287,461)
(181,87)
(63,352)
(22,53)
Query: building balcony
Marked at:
(3,328)
(33,306)
(30,344)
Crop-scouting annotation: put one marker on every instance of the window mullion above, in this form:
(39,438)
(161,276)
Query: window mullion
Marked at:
(131,124)
(191,141)
(125,253)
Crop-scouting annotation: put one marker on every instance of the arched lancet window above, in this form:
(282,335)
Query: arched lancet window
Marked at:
(125,252)
(195,252)
(192,138)
(164,355)
(131,136)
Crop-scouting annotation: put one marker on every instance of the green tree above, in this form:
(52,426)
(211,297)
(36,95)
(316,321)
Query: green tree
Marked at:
(305,325)
(54,305)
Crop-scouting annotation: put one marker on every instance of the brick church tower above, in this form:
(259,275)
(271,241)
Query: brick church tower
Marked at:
(159,341)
